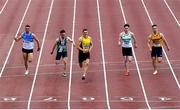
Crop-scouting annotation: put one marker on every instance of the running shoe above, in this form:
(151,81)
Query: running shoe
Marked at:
(26,72)
(155,72)
(64,74)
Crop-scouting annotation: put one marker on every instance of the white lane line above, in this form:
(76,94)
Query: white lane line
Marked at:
(172,13)
(70,74)
(40,54)
(12,45)
(172,70)
(137,66)
(4,6)
(103,59)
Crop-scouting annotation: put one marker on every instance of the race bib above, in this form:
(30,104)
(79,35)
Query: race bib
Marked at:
(86,47)
(60,49)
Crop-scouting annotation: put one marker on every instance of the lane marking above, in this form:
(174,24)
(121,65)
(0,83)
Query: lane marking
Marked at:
(12,45)
(172,13)
(103,59)
(40,54)
(174,62)
(88,99)
(9,99)
(137,66)
(172,70)
(70,74)
(127,99)
(4,6)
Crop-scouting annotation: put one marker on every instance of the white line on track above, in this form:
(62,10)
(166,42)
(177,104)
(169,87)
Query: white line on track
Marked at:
(12,45)
(103,59)
(137,66)
(70,74)
(172,70)
(4,6)
(40,54)
(172,13)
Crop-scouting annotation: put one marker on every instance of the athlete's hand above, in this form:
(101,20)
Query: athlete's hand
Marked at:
(38,49)
(168,48)
(150,49)
(135,46)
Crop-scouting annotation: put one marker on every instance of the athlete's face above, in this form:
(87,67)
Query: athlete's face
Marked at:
(63,34)
(27,29)
(85,33)
(155,29)
(126,28)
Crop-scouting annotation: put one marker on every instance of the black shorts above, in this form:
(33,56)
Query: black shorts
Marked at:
(127,51)
(83,56)
(27,51)
(156,52)
(61,54)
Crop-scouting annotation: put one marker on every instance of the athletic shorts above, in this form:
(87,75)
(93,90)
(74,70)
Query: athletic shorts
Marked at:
(127,51)
(61,54)
(83,56)
(156,52)
(27,51)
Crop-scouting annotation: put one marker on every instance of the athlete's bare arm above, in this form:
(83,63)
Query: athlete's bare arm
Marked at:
(18,38)
(37,41)
(149,42)
(165,42)
(134,41)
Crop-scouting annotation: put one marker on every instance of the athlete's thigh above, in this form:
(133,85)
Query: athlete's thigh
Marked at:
(129,58)
(30,57)
(159,59)
(25,56)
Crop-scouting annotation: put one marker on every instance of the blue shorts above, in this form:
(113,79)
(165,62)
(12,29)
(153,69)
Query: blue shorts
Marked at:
(61,54)
(156,52)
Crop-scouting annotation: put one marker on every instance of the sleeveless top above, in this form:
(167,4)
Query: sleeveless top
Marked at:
(157,40)
(85,42)
(27,40)
(126,39)
(61,45)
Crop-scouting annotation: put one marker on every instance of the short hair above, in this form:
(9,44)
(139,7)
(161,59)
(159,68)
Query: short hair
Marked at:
(154,25)
(84,30)
(27,25)
(126,25)
(62,31)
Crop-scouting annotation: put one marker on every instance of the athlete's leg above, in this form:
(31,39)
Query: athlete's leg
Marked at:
(85,68)
(159,59)
(25,56)
(154,64)
(64,69)
(126,65)
(30,57)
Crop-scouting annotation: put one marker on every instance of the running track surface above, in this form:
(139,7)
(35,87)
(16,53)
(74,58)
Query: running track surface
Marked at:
(44,88)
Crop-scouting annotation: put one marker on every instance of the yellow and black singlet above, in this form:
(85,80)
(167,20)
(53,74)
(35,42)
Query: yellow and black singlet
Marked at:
(85,42)
(157,40)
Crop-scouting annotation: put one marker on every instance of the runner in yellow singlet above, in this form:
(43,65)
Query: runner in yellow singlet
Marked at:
(155,44)
(84,46)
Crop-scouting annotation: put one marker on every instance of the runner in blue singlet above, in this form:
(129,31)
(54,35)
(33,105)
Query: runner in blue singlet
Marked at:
(28,45)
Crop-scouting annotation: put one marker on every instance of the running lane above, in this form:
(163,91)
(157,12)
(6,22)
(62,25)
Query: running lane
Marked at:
(174,5)
(10,19)
(162,17)
(93,86)
(124,91)
(51,89)
(16,93)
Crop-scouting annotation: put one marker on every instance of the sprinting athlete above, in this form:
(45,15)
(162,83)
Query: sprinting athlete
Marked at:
(84,46)
(155,44)
(125,40)
(61,49)
(28,45)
